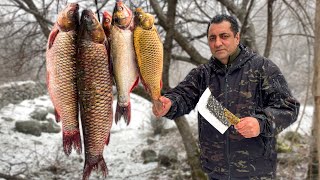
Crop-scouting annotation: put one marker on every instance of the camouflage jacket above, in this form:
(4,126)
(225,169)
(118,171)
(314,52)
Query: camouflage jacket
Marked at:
(250,86)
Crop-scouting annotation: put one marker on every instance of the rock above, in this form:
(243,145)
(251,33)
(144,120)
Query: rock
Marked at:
(50,126)
(17,92)
(9,119)
(149,155)
(294,137)
(168,155)
(29,127)
(282,147)
(51,110)
(39,114)
(178,176)
(150,141)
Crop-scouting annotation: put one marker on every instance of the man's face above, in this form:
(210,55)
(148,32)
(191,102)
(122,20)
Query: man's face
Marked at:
(222,41)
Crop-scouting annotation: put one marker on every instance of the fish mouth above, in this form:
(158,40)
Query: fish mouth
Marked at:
(123,104)
(69,17)
(122,22)
(146,24)
(74,7)
(87,13)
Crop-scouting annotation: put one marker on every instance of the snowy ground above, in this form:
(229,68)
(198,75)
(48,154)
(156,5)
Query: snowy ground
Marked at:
(42,157)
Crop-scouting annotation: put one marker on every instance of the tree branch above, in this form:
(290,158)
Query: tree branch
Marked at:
(182,41)
(32,9)
(168,43)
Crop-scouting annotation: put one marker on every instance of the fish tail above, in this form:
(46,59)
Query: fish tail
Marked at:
(157,103)
(123,111)
(71,139)
(93,163)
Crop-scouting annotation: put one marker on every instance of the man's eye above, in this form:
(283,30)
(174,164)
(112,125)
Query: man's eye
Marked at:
(212,38)
(224,36)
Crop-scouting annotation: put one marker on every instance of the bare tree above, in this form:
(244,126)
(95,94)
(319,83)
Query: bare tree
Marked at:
(315,168)
(269,31)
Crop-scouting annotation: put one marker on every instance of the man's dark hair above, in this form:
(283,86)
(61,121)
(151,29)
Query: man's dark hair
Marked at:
(223,17)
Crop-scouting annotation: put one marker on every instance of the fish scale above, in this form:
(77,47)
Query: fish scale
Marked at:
(61,76)
(123,58)
(95,92)
(149,52)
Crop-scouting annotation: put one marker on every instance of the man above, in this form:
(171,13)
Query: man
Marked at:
(250,86)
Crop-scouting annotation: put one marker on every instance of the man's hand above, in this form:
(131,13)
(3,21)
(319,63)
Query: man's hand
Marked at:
(248,127)
(161,110)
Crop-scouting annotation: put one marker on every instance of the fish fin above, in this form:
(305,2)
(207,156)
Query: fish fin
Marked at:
(123,111)
(57,115)
(108,139)
(134,84)
(144,85)
(52,37)
(158,104)
(71,139)
(93,163)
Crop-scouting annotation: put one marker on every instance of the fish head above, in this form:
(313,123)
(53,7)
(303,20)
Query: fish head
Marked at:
(122,15)
(143,19)
(90,27)
(68,18)
(106,22)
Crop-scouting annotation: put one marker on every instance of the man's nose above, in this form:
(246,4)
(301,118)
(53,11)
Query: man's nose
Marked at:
(218,42)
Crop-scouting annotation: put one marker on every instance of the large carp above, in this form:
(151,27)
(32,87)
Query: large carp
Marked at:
(149,51)
(61,75)
(95,92)
(123,58)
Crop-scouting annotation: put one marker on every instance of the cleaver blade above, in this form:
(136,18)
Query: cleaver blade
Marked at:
(218,116)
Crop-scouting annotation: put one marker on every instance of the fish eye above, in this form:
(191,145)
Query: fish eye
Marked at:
(120,8)
(140,16)
(107,20)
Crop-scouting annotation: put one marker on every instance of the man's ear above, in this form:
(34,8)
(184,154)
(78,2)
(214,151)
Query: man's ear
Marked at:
(237,36)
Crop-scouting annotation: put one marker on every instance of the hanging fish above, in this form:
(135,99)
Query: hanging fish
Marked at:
(106,23)
(123,58)
(149,52)
(95,92)
(61,75)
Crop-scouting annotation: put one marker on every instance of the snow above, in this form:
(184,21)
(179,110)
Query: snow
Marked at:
(20,151)
(15,83)
(43,157)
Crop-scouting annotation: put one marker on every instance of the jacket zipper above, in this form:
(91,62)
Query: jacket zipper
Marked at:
(227,134)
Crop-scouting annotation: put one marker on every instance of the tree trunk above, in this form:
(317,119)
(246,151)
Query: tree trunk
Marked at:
(316,117)
(314,167)
(189,141)
(192,148)
(269,29)
(167,46)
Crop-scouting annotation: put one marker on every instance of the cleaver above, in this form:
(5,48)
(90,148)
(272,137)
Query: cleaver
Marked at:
(218,116)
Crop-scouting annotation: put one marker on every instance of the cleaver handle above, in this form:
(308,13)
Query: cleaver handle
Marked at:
(234,120)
